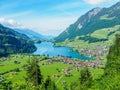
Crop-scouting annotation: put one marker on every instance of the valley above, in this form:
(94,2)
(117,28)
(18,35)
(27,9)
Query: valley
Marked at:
(13,69)
(86,45)
(84,56)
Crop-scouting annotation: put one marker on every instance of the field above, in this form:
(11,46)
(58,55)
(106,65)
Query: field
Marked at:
(10,73)
(99,34)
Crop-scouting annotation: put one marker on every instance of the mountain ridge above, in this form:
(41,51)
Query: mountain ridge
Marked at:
(33,35)
(14,42)
(91,21)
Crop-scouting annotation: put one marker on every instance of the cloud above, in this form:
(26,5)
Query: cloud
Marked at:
(94,2)
(46,26)
(10,23)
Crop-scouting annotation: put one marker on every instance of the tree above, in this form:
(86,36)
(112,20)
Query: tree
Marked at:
(49,84)
(85,79)
(111,77)
(74,86)
(6,85)
(113,58)
(33,72)
(65,85)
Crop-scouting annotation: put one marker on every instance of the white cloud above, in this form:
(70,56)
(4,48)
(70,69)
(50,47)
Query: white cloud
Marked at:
(10,23)
(2,20)
(93,2)
(46,26)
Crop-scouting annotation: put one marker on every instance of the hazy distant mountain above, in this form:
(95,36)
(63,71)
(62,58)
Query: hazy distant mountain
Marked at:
(33,35)
(95,19)
(21,29)
(14,42)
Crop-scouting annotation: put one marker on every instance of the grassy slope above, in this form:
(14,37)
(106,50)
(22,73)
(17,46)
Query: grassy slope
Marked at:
(18,78)
(100,34)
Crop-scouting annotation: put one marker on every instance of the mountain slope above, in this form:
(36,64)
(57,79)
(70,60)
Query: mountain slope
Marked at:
(33,35)
(95,19)
(14,42)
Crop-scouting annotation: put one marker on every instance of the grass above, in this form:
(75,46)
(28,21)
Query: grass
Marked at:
(18,78)
(105,17)
(103,33)
(96,73)
(10,65)
(100,34)
(49,70)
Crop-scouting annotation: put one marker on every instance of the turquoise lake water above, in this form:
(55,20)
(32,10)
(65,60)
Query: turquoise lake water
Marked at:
(48,48)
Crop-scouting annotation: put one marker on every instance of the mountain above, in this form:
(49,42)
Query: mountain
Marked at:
(93,20)
(33,35)
(14,42)
(21,29)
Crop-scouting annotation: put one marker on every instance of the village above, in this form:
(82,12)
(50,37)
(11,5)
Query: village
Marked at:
(97,51)
(97,60)
(75,64)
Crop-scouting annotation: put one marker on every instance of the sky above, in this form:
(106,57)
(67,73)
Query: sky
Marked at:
(48,17)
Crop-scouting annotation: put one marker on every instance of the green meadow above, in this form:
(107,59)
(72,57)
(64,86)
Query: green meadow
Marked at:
(18,76)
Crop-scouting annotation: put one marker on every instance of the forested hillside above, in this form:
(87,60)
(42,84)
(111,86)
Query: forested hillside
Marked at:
(95,19)
(14,42)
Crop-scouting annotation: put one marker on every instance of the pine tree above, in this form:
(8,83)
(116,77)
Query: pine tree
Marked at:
(111,77)
(113,58)
(85,79)
(34,76)
(49,84)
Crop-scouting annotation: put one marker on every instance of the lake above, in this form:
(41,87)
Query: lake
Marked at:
(48,49)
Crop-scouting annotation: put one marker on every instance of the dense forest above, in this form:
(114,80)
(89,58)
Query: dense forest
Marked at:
(14,42)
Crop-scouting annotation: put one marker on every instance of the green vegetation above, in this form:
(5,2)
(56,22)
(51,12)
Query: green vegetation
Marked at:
(100,40)
(90,35)
(16,72)
(13,71)
(34,77)
(112,68)
(14,42)
(90,22)
(110,80)
(49,84)
(52,78)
